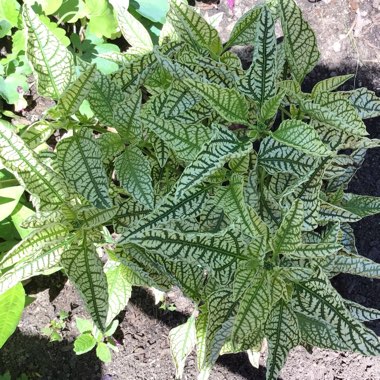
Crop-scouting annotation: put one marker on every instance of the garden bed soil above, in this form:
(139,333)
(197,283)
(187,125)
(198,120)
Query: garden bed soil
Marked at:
(143,333)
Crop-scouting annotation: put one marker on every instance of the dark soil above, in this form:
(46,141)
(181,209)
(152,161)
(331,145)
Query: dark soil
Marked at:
(143,333)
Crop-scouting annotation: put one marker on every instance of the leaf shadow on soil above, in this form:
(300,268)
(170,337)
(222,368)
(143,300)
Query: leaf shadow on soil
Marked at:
(30,353)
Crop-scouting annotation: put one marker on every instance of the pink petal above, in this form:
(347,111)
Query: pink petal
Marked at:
(231,4)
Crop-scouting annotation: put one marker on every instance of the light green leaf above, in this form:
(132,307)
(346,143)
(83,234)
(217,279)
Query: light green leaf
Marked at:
(102,20)
(300,43)
(132,29)
(259,81)
(301,136)
(222,147)
(133,171)
(84,268)
(229,103)
(37,178)
(182,341)
(119,289)
(80,161)
(103,352)
(52,63)
(11,307)
(288,236)
(330,84)
(9,198)
(84,343)
(192,28)
(74,95)
(83,325)
(243,32)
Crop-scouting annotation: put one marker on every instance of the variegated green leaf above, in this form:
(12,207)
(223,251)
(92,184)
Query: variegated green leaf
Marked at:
(110,145)
(314,251)
(318,332)
(362,313)
(119,289)
(254,308)
(365,102)
(308,192)
(361,205)
(185,140)
(229,103)
(204,368)
(333,213)
(161,150)
(39,252)
(282,333)
(74,95)
(85,269)
(37,133)
(219,324)
(270,106)
(52,63)
(215,252)
(288,236)
(300,43)
(132,29)
(231,199)
(335,111)
(128,212)
(348,239)
(133,171)
(182,341)
(192,28)
(90,217)
(169,209)
(318,299)
(357,265)
(330,84)
(103,97)
(279,158)
(174,101)
(259,81)
(243,32)
(80,161)
(37,178)
(222,147)
(301,136)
